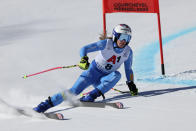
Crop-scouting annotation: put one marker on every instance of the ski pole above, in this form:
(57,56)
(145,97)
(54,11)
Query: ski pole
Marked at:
(117,90)
(121,84)
(83,94)
(55,68)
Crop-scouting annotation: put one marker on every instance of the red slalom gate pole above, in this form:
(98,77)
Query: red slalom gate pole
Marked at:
(104,19)
(160,38)
(55,68)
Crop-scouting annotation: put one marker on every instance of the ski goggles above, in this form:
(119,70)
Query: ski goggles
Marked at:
(125,37)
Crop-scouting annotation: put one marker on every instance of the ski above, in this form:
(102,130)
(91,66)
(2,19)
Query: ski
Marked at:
(56,116)
(32,113)
(29,112)
(117,105)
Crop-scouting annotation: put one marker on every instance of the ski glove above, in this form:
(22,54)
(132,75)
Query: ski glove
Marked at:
(132,87)
(84,64)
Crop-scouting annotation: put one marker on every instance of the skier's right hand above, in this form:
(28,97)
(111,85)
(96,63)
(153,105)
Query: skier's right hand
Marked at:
(84,64)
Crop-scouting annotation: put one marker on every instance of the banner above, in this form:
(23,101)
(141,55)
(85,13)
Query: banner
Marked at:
(137,6)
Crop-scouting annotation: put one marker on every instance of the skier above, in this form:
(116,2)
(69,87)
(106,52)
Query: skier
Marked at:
(102,72)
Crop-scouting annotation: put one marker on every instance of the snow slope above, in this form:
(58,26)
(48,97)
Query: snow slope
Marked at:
(39,34)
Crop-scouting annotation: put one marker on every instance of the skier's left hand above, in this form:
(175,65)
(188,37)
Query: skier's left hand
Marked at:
(84,64)
(132,87)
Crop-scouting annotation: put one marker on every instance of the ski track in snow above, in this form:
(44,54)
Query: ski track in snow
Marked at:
(143,56)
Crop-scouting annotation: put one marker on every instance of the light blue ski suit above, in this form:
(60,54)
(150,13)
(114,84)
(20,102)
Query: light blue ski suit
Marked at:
(93,76)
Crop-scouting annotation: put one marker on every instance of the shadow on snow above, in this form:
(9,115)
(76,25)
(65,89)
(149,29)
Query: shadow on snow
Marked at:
(150,93)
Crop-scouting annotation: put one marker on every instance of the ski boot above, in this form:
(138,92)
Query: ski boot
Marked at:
(43,106)
(92,96)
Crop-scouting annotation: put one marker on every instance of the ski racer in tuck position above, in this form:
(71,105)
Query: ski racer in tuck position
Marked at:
(102,72)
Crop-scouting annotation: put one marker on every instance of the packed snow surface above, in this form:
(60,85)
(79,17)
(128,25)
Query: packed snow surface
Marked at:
(36,35)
